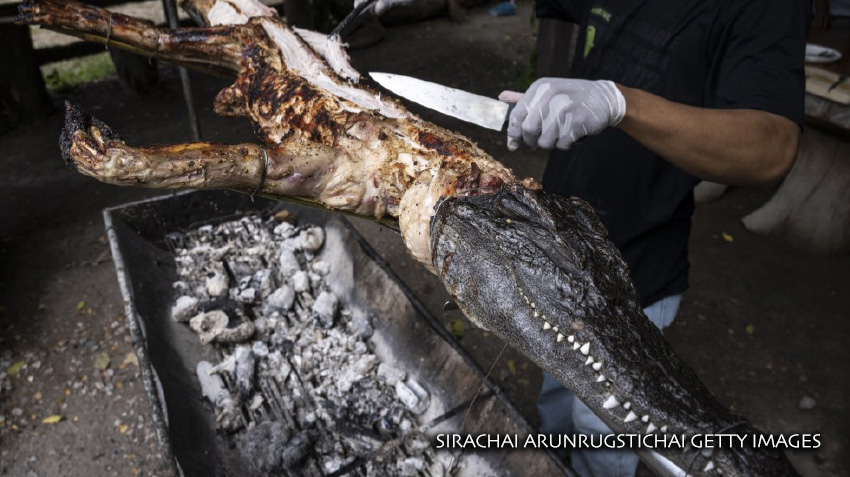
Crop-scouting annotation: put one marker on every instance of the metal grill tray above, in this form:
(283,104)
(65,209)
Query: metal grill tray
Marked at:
(405,335)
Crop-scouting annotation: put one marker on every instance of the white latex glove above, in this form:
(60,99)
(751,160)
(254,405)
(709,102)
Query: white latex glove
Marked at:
(557,112)
(383,5)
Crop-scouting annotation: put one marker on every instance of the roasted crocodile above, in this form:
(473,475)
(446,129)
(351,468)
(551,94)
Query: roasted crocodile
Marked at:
(536,270)
(324,138)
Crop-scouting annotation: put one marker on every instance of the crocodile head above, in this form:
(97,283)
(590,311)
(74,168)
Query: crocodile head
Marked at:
(538,271)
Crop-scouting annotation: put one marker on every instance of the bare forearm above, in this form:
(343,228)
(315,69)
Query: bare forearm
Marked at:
(730,146)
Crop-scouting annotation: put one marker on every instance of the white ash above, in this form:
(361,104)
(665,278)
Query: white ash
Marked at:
(184,308)
(297,386)
(325,307)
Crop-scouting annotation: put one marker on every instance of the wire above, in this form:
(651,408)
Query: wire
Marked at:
(477,393)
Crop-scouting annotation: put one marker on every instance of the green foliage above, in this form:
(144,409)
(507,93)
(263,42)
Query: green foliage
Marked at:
(66,73)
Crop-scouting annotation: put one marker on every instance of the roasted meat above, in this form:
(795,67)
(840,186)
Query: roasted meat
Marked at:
(324,138)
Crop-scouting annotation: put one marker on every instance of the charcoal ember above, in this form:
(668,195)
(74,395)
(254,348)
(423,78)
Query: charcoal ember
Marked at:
(238,334)
(217,282)
(355,372)
(229,418)
(301,282)
(213,326)
(417,445)
(263,282)
(243,372)
(411,466)
(311,239)
(287,262)
(262,329)
(293,350)
(413,395)
(280,300)
(305,417)
(297,448)
(245,293)
(321,268)
(209,325)
(263,446)
(284,230)
(325,308)
(278,366)
(421,393)
(181,286)
(245,266)
(256,402)
(184,308)
(389,374)
(212,386)
(360,324)
(260,350)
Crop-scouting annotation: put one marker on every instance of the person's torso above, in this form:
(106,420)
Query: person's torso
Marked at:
(665,48)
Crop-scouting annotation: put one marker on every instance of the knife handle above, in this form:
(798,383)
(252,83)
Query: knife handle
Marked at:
(511,97)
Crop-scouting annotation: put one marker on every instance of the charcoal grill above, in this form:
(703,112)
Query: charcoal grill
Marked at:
(406,335)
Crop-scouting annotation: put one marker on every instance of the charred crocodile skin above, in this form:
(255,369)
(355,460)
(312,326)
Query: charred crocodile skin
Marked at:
(539,271)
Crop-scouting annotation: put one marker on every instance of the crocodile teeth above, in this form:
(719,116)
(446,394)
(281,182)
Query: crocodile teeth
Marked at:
(589,360)
(555,329)
(664,429)
(630,417)
(546,325)
(576,346)
(600,378)
(651,427)
(560,337)
(597,366)
(709,467)
(535,314)
(571,338)
(627,405)
(610,403)
(585,348)
(533,305)
(645,418)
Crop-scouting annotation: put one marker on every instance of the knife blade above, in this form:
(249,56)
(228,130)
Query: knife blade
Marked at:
(481,110)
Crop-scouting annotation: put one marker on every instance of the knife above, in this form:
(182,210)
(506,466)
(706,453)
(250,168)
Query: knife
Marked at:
(352,20)
(473,108)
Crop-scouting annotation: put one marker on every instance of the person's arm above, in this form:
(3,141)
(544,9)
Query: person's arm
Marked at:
(730,146)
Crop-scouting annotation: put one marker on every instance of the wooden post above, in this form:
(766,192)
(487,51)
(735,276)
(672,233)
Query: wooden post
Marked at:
(23,96)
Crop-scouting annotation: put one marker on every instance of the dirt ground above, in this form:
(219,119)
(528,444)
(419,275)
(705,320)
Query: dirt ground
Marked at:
(764,325)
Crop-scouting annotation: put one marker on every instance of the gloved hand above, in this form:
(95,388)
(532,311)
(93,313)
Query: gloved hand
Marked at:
(383,5)
(557,112)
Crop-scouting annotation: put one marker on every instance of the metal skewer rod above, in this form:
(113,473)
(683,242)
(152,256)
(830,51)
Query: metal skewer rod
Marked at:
(171,17)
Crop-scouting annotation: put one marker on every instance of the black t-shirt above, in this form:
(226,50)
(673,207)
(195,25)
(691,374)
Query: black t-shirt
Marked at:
(731,54)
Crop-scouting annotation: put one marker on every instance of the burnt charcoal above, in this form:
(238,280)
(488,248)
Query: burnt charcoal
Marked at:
(297,448)
(325,308)
(297,386)
(263,446)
